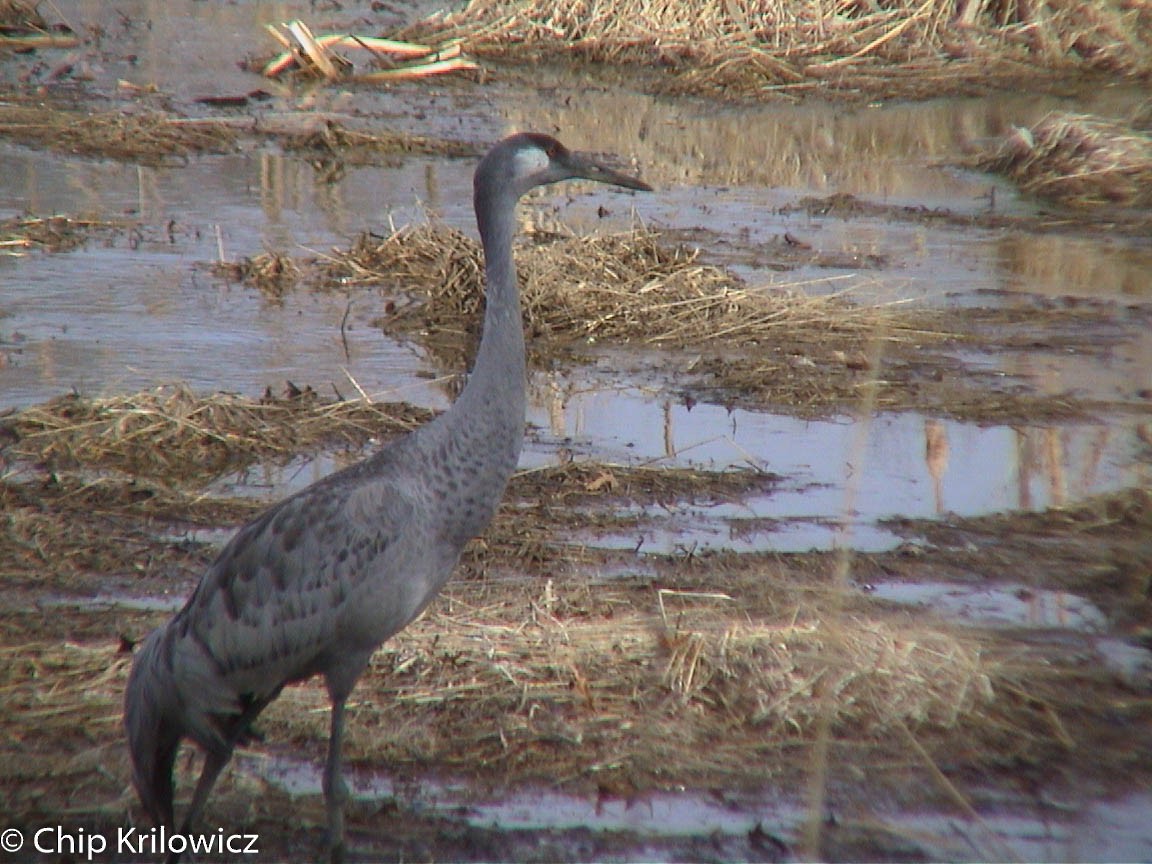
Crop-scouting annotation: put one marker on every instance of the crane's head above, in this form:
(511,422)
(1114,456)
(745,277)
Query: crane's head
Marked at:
(528,159)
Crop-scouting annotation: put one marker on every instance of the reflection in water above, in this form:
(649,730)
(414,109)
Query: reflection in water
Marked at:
(1024,829)
(1059,266)
(936,458)
(911,466)
(143,309)
(1057,465)
(1004,605)
(883,152)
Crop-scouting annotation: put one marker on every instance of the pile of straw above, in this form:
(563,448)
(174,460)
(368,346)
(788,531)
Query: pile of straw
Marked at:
(625,287)
(149,137)
(48,234)
(1078,160)
(174,434)
(766,45)
(23,28)
(617,684)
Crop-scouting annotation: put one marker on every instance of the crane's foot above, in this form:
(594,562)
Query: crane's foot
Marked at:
(336,853)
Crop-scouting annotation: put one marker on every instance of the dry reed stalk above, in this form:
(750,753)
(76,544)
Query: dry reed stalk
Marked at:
(23,28)
(148,137)
(627,287)
(533,680)
(174,434)
(315,55)
(763,45)
(1077,159)
(318,55)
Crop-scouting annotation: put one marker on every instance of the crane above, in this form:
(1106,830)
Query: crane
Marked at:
(316,583)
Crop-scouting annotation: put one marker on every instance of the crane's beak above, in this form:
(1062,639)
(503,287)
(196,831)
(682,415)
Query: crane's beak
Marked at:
(584,168)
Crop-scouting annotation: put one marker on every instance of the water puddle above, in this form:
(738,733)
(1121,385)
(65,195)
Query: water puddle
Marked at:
(139,307)
(658,813)
(998,606)
(834,489)
(1021,830)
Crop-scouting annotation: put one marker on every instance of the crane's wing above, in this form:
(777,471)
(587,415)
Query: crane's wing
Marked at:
(313,585)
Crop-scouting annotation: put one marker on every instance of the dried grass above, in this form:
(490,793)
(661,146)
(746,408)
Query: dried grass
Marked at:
(49,234)
(154,137)
(623,686)
(626,287)
(271,273)
(757,345)
(769,45)
(714,673)
(1078,160)
(176,435)
(61,726)
(613,687)
(149,137)
(70,684)
(23,28)
(74,524)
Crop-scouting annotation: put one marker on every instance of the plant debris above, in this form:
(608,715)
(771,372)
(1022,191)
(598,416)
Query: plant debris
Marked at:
(333,146)
(625,287)
(716,678)
(714,671)
(147,137)
(271,273)
(312,55)
(1076,159)
(755,346)
(769,47)
(190,438)
(49,233)
(23,28)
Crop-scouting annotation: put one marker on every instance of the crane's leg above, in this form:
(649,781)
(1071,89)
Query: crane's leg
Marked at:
(214,762)
(335,789)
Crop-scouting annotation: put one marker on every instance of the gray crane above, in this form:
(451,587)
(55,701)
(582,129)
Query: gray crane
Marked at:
(319,581)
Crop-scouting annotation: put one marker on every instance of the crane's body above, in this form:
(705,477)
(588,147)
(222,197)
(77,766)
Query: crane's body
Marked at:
(316,583)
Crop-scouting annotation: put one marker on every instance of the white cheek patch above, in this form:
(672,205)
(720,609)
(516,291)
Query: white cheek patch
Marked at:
(530,161)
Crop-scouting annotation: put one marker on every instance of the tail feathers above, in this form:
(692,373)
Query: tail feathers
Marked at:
(175,692)
(152,721)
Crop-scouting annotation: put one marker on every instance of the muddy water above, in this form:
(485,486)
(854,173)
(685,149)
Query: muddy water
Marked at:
(142,307)
(139,307)
(1097,833)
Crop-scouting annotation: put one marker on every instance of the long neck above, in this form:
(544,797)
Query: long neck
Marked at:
(487,419)
(495,387)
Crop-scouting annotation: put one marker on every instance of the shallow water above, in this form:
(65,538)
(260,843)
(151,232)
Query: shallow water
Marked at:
(1017,830)
(139,307)
(833,488)
(142,308)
